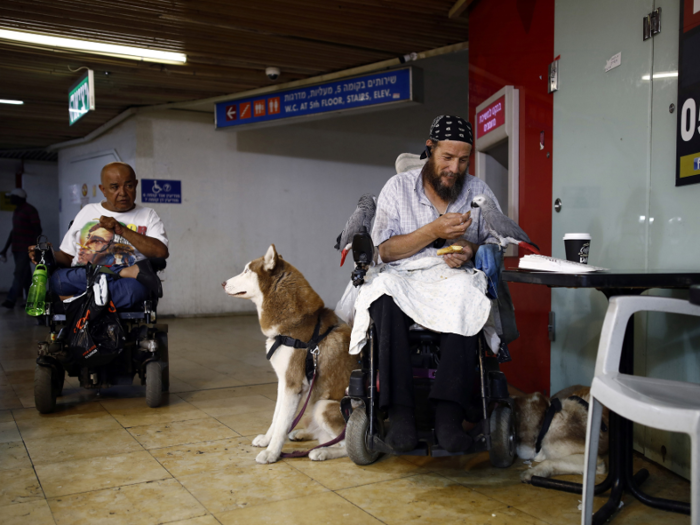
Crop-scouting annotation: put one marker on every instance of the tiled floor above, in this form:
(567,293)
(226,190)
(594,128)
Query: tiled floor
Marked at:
(108,458)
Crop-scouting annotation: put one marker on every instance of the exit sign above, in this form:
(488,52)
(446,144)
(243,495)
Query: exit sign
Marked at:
(81,97)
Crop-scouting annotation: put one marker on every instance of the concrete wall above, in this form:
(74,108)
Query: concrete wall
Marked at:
(40,181)
(293,185)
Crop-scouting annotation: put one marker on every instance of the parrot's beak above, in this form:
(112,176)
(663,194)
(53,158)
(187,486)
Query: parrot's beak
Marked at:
(474,205)
(344,254)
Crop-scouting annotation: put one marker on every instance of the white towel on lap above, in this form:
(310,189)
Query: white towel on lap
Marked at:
(431,293)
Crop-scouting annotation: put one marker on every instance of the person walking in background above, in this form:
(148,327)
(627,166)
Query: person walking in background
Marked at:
(26,227)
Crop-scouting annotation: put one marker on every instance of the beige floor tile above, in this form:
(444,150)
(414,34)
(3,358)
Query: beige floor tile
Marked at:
(18,486)
(423,499)
(9,432)
(14,455)
(61,426)
(214,394)
(202,520)
(140,504)
(55,449)
(216,455)
(136,414)
(62,410)
(236,405)
(248,423)
(9,402)
(223,490)
(327,508)
(219,381)
(83,475)
(256,375)
(36,512)
(180,432)
(342,473)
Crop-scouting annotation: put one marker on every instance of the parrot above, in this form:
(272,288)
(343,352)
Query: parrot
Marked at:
(501,226)
(362,216)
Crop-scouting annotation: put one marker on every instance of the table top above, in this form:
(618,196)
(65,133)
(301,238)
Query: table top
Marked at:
(612,279)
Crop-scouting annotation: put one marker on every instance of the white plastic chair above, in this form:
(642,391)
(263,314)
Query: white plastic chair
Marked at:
(657,403)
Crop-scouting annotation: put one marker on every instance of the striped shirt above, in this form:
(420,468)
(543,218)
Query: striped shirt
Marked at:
(403,207)
(26,227)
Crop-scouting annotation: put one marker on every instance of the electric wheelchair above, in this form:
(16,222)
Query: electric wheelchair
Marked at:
(492,414)
(144,352)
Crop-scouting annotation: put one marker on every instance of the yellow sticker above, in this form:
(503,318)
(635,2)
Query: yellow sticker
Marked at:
(690,165)
(132,227)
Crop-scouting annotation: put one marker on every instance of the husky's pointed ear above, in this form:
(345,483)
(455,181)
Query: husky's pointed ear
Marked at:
(270,259)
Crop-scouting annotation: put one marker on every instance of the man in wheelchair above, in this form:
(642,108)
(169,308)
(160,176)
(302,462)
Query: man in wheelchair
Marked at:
(118,234)
(418,212)
(108,334)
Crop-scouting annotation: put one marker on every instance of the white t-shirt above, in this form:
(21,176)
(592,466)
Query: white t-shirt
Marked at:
(87,242)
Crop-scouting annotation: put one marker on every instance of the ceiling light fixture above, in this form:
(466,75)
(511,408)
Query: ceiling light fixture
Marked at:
(133,53)
(7,101)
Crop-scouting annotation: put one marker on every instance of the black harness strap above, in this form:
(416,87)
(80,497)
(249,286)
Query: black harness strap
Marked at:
(548,416)
(552,411)
(310,346)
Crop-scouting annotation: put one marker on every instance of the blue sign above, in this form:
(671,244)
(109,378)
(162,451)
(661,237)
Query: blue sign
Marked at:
(161,191)
(388,87)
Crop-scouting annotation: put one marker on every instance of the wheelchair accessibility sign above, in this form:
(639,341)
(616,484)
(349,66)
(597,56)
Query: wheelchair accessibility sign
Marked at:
(161,191)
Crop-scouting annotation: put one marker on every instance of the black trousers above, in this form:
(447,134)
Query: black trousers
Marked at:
(455,374)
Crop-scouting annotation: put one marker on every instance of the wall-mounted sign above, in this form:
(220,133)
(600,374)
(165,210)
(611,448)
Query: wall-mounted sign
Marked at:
(688,134)
(491,117)
(379,89)
(81,97)
(161,191)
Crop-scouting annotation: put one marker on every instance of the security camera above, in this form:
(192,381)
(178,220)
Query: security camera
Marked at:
(272,73)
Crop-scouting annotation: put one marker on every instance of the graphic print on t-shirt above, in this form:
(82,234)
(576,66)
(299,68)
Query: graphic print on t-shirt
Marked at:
(103,247)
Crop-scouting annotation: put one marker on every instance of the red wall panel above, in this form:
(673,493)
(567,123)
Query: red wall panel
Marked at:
(511,42)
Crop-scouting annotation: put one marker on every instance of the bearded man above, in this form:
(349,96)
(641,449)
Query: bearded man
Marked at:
(418,212)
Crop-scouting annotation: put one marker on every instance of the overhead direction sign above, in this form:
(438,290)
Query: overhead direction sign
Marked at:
(81,97)
(367,91)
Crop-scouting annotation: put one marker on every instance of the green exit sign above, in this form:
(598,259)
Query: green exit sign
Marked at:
(81,97)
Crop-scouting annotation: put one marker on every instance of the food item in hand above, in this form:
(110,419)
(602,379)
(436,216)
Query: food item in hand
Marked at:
(453,248)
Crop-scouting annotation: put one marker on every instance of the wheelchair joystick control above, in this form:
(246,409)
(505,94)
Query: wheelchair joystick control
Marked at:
(362,254)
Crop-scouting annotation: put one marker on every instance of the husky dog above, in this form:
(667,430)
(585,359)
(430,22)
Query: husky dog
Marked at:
(564,445)
(288,307)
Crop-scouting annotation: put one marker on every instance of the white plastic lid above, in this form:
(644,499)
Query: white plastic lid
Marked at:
(577,236)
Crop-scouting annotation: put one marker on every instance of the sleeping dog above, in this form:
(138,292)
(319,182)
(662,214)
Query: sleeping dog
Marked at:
(560,446)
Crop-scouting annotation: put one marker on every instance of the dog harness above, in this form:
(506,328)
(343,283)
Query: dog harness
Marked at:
(552,411)
(311,346)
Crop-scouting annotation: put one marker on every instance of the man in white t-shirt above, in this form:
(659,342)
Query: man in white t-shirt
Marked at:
(117,233)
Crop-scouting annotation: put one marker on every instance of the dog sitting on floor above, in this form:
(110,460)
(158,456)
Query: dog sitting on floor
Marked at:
(562,445)
(292,314)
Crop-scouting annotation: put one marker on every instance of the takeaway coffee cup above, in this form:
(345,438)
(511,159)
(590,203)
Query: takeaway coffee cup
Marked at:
(577,247)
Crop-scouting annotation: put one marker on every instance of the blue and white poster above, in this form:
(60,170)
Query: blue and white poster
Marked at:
(378,89)
(160,191)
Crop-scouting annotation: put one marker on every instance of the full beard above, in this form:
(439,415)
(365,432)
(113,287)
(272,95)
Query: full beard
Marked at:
(445,192)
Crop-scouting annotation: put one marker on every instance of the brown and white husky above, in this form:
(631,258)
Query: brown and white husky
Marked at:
(288,306)
(564,445)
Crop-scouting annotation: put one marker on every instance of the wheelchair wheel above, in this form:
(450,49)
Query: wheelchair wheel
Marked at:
(502,453)
(356,436)
(162,340)
(154,384)
(44,389)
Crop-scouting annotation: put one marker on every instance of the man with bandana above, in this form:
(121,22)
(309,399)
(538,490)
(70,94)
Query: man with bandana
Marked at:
(418,212)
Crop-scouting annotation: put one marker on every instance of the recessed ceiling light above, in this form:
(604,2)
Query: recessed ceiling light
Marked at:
(6,101)
(133,53)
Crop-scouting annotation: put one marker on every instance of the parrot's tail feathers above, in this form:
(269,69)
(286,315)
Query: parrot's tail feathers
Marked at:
(530,247)
(344,254)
